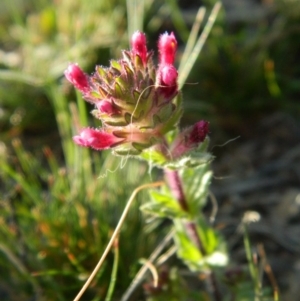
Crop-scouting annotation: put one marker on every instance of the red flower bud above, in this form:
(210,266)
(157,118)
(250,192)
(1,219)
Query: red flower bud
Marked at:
(189,139)
(167,46)
(77,77)
(96,139)
(138,44)
(199,132)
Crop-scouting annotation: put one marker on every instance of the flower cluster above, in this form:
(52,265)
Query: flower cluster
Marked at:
(133,98)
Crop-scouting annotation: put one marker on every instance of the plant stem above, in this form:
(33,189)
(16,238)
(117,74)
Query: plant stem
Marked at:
(194,236)
(175,185)
(213,286)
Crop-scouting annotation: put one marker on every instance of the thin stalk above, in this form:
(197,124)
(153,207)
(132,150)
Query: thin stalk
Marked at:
(252,266)
(113,278)
(140,275)
(178,20)
(199,45)
(213,286)
(192,38)
(135,16)
(114,236)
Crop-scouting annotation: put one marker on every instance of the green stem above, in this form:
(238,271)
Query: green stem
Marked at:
(112,283)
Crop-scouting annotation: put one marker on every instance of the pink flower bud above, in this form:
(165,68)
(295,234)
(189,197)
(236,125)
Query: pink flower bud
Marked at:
(167,46)
(199,132)
(107,107)
(167,80)
(96,139)
(138,44)
(77,77)
(168,75)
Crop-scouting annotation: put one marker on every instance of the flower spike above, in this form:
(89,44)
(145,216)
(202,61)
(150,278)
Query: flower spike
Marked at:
(133,98)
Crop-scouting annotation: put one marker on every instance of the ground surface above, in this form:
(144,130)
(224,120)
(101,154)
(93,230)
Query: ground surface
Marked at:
(259,175)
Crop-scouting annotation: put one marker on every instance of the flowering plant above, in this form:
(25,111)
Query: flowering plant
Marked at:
(139,106)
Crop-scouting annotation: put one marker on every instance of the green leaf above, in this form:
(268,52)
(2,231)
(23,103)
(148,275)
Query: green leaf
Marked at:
(154,157)
(101,71)
(214,246)
(172,121)
(165,112)
(118,91)
(116,65)
(191,160)
(163,205)
(196,183)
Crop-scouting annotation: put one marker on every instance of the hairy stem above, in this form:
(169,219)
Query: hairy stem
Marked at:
(175,185)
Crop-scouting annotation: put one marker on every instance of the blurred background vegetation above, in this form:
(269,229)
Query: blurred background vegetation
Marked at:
(60,203)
